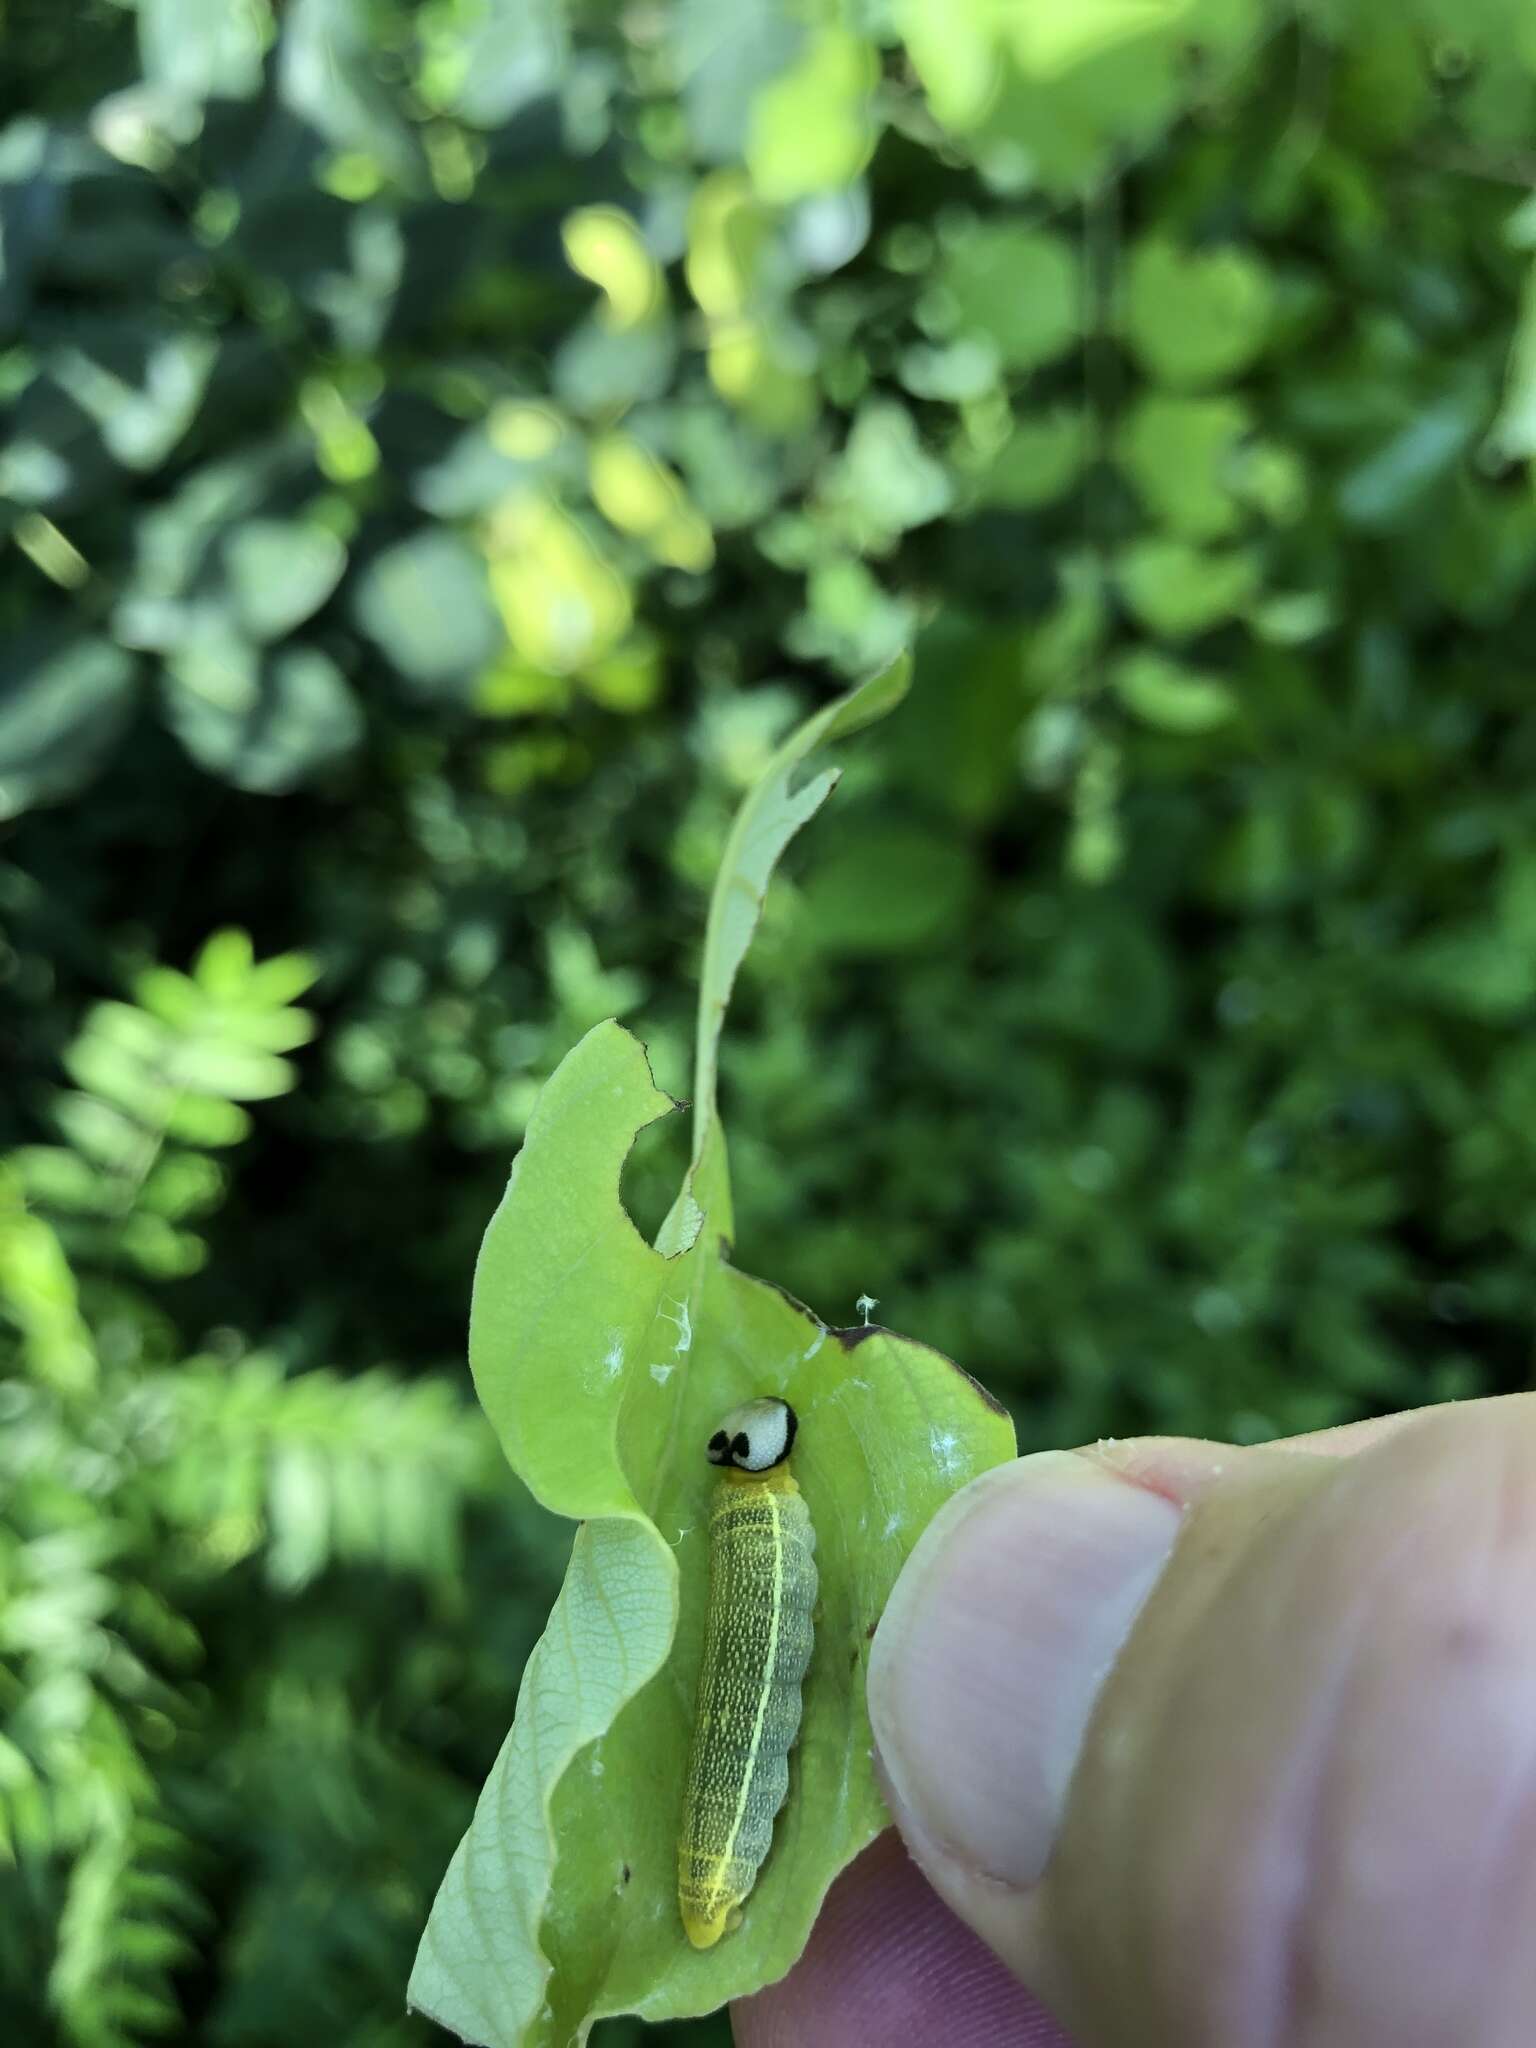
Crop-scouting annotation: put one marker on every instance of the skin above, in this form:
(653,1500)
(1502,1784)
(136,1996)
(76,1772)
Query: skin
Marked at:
(1191,1746)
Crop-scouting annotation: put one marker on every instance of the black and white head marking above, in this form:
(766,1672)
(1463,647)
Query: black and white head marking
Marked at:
(754,1437)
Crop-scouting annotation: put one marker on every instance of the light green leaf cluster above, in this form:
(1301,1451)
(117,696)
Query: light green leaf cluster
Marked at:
(604,1365)
(132,1482)
(812,126)
(158,1084)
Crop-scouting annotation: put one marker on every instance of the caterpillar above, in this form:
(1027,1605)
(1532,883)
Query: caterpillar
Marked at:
(757,1644)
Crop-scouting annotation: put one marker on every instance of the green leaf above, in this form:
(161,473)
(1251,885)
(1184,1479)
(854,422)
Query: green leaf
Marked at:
(1040,460)
(1514,431)
(142,388)
(280,573)
(1162,693)
(602,1389)
(1054,38)
(486,63)
(223,966)
(603,245)
(65,697)
(212,1066)
(812,129)
(101,1132)
(962,369)
(329,74)
(888,888)
(426,606)
(38,1289)
(604,1365)
(1019,286)
(774,810)
(263,729)
(281,979)
(638,494)
(60,1179)
(1389,486)
(886,476)
(117,1076)
(207,1120)
(1177,590)
(1196,317)
(199,49)
(1181,454)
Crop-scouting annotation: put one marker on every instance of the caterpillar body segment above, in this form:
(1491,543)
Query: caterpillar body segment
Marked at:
(757,1645)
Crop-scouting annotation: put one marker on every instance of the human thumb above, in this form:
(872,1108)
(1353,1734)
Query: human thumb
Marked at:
(1225,1748)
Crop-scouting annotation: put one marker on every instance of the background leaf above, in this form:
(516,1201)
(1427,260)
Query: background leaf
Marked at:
(280,573)
(65,703)
(424,603)
(264,724)
(1018,286)
(1196,317)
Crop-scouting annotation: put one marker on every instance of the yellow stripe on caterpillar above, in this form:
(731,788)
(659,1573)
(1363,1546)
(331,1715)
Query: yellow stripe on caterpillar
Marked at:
(757,1644)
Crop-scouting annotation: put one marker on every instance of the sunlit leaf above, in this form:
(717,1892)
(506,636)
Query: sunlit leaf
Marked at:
(561,1903)
(639,494)
(563,604)
(812,129)
(604,245)
(1050,39)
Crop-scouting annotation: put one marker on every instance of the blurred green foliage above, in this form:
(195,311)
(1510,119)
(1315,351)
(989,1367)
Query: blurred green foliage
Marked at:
(446,446)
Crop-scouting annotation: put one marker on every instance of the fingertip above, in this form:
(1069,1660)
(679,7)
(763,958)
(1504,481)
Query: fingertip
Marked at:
(887,1961)
(992,1650)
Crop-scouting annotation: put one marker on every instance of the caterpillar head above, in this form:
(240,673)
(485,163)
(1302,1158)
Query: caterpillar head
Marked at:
(754,1437)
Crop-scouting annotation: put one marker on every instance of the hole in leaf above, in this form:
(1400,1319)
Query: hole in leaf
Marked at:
(654,1171)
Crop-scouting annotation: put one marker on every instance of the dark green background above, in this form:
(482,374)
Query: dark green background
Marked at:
(1147,1022)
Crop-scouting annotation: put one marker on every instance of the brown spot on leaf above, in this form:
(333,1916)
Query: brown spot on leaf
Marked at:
(851,1338)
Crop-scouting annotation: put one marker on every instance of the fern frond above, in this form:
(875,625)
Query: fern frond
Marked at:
(157,1082)
(372,1469)
(125,1927)
(39,1297)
